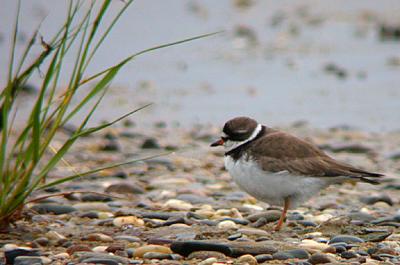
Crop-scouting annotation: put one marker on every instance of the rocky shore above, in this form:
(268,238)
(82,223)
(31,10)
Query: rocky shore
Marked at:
(183,208)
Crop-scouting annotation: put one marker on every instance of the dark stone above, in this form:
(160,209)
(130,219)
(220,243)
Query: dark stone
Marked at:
(348,255)
(120,175)
(361,216)
(260,222)
(320,258)
(100,261)
(91,215)
(269,216)
(10,255)
(236,220)
(93,197)
(374,199)
(127,238)
(150,143)
(27,260)
(346,239)
(291,254)
(295,217)
(42,241)
(45,208)
(110,146)
(307,223)
(84,256)
(184,248)
(263,258)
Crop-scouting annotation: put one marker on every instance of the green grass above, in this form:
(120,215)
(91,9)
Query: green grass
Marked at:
(24,164)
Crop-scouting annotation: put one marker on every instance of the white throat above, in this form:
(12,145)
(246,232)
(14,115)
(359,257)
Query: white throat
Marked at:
(230,145)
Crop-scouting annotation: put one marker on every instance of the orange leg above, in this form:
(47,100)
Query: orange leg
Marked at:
(283,215)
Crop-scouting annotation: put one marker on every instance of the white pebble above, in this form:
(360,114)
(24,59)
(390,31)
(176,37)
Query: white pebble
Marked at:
(227,224)
(208,261)
(179,205)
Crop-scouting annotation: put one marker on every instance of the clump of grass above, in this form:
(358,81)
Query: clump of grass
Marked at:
(23,164)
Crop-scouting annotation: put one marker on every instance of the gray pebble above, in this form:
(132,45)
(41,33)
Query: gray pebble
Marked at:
(263,258)
(290,254)
(27,260)
(348,255)
(157,255)
(320,258)
(346,239)
(45,208)
(100,261)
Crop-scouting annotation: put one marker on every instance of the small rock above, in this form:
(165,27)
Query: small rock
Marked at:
(99,249)
(157,255)
(320,258)
(42,241)
(101,256)
(53,235)
(346,238)
(113,248)
(78,248)
(92,206)
(249,259)
(62,255)
(174,204)
(227,225)
(313,246)
(12,254)
(263,258)
(125,188)
(100,261)
(291,254)
(374,199)
(28,260)
(208,261)
(45,208)
(128,220)
(99,237)
(270,216)
(253,231)
(150,143)
(202,255)
(131,239)
(93,197)
(110,146)
(348,254)
(234,236)
(139,252)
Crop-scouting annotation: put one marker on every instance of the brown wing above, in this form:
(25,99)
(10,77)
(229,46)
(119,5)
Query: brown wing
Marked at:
(279,151)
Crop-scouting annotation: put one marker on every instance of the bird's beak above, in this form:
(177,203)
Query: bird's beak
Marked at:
(217,143)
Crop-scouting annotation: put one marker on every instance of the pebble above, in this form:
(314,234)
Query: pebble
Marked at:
(263,258)
(348,254)
(157,255)
(12,253)
(313,246)
(345,239)
(92,206)
(128,220)
(202,255)
(99,237)
(125,188)
(150,143)
(78,248)
(100,261)
(53,235)
(128,238)
(99,249)
(270,216)
(227,225)
(139,252)
(174,204)
(94,197)
(45,208)
(253,231)
(62,255)
(100,256)
(208,261)
(320,258)
(249,259)
(29,260)
(291,254)
(370,200)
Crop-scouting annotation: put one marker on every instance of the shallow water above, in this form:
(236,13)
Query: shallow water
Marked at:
(274,71)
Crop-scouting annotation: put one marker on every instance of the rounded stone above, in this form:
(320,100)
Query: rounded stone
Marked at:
(346,239)
(263,258)
(99,237)
(156,255)
(174,204)
(228,224)
(208,261)
(139,252)
(128,220)
(202,255)
(320,258)
(249,259)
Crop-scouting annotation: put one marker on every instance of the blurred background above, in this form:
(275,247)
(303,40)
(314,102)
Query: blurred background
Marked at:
(328,63)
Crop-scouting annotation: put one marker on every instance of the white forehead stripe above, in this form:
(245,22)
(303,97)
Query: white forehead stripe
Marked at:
(230,145)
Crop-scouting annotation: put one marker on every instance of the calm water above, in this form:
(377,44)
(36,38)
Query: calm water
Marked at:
(269,63)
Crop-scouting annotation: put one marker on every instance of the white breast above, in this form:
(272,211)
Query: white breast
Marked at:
(272,187)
